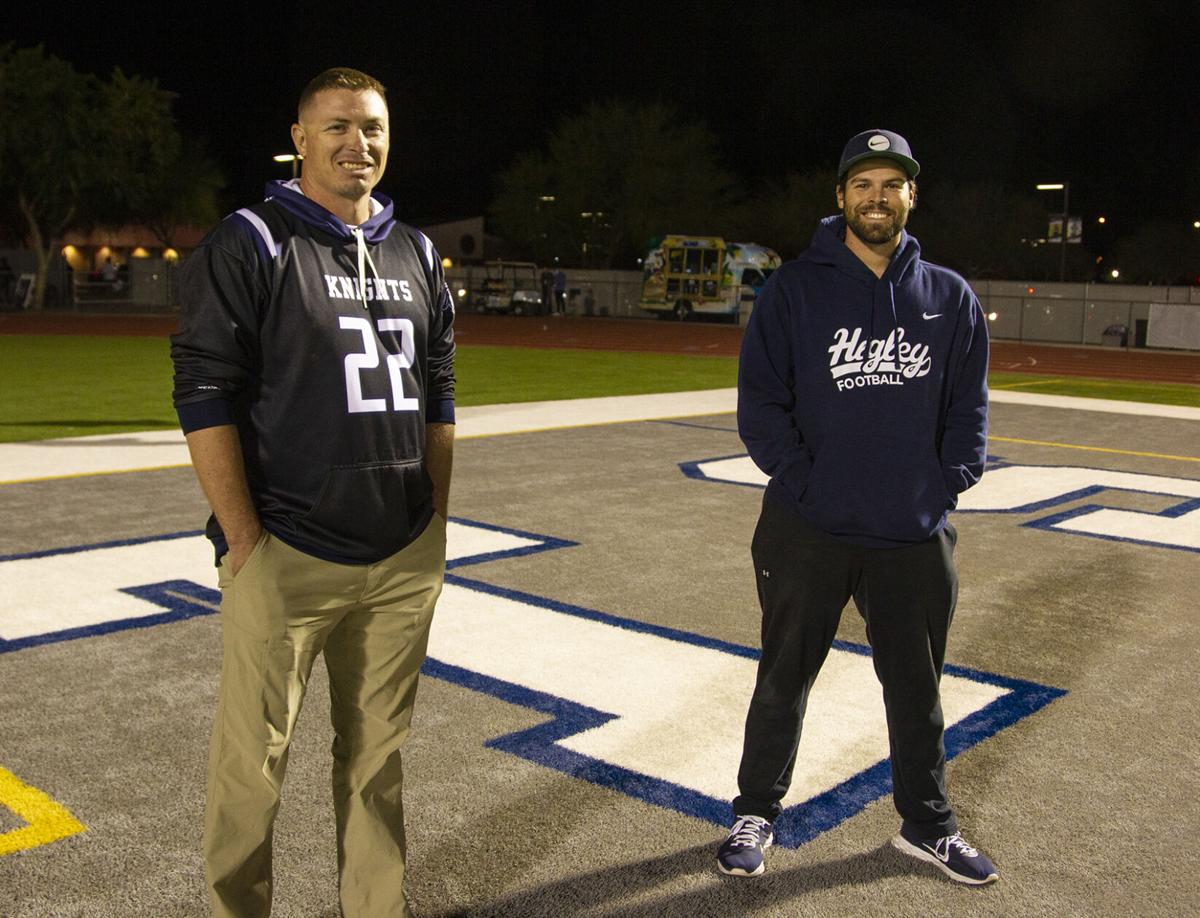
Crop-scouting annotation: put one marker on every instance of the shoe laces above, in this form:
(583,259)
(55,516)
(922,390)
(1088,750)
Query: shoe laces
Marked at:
(747,832)
(956,840)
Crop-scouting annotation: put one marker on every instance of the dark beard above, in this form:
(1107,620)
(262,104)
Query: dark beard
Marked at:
(874,234)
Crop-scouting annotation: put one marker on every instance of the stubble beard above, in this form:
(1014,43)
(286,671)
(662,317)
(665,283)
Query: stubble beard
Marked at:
(355,191)
(353,187)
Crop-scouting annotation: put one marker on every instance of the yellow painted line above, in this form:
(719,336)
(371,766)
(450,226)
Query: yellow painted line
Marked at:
(1097,449)
(1034,382)
(46,821)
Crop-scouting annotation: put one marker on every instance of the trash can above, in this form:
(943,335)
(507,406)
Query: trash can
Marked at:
(1116,335)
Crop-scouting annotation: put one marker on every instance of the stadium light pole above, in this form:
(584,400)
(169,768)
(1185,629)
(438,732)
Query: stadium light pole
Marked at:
(288,158)
(1065,188)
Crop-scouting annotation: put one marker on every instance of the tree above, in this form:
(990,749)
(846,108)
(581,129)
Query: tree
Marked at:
(784,215)
(184,191)
(155,178)
(980,229)
(1160,252)
(609,180)
(76,151)
(47,128)
(138,143)
(984,230)
(526,212)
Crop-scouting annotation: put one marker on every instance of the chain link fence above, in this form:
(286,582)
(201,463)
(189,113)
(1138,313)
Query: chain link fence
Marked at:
(1110,314)
(589,293)
(1100,314)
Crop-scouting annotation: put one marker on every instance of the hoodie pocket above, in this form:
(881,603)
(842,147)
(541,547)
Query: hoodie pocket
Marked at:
(878,486)
(365,510)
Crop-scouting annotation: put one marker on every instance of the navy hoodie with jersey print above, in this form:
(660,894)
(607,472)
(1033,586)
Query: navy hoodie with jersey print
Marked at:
(865,398)
(330,347)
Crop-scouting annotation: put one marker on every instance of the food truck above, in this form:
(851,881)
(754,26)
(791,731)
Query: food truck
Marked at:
(704,275)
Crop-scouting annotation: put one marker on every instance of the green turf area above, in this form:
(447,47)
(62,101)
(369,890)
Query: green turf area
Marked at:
(61,386)
(490,375)
(1125,390)
(67,386)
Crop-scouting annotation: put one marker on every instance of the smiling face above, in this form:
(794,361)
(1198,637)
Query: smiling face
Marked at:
(876,198)
(343,136)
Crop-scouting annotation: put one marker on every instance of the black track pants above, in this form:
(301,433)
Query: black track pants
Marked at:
(906,597)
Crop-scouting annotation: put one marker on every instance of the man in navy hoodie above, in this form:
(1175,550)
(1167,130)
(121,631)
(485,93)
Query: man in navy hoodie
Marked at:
(862,393)
(314,379)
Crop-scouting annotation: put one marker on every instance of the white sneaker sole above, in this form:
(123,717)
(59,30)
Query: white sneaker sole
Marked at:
(738,872)
(900,843)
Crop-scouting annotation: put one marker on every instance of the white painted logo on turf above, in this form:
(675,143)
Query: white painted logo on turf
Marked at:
(1029,488)
(650,711)
(680,709)
(51,592)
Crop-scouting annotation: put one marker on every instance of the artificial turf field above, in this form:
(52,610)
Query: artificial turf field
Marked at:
(71,375)
(605,568)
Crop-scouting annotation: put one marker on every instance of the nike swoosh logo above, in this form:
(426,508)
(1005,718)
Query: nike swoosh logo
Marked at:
(935,315)
(936,851)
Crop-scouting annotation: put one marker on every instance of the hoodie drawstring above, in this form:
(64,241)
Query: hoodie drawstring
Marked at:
(876,296)
(364,259)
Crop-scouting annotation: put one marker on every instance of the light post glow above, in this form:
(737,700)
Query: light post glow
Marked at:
(289,158)
(1065,188)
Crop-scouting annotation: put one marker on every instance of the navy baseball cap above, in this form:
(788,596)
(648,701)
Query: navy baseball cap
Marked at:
(878,144)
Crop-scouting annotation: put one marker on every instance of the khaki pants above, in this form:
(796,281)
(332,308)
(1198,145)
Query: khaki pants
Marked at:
(372,623)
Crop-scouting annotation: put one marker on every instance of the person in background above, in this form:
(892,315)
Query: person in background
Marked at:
(546,281)
(560,292)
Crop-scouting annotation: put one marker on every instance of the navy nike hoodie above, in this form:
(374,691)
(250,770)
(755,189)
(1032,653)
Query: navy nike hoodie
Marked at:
(865,398)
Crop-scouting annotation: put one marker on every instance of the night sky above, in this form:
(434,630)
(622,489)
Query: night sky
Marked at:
(1102,94)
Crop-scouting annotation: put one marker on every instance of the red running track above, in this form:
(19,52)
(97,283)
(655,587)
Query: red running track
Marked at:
(699,338)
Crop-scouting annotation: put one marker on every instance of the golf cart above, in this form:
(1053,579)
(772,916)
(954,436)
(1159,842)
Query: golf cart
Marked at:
(510,287)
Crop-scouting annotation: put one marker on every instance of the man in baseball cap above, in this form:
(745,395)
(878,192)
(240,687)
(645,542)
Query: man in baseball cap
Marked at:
(862,394)
(878,144)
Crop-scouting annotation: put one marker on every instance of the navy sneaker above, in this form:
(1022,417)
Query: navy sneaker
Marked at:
(741,854)
(950,854)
